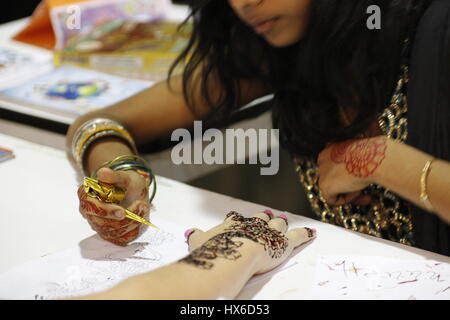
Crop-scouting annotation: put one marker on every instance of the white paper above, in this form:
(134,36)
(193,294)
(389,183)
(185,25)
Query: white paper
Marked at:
(19,65)
(94,265)
(364,277)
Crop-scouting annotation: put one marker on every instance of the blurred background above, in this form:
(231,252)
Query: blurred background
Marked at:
(17,9)
(281,191)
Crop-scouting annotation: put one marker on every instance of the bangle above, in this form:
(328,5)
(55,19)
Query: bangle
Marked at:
(93,130)
(424,198)
(135,163)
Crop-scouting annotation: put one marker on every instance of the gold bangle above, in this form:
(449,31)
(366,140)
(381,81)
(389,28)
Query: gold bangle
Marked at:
(424,198)
(95,129)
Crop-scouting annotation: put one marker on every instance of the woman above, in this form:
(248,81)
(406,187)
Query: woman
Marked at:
(364,112)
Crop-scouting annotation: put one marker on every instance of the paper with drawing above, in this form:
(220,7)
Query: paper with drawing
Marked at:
(94,265)
(97,265)
(364,277)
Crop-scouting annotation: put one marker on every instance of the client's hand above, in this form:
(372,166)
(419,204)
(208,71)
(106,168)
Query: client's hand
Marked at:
(108,220)
(262,235)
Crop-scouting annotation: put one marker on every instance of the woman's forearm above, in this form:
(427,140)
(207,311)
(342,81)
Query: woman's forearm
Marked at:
(221,260)
(146,116)
(183,281)
(401,171)
(103,151)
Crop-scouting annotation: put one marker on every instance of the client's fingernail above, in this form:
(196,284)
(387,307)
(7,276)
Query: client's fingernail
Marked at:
(283,216)
(118,214)
(269,213)
(188,232)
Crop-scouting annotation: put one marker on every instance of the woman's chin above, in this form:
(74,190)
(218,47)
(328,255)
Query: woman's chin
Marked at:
(281,42)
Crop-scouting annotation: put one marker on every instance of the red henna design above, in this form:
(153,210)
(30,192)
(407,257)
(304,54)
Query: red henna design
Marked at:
(107,232)
(339,150)
(81,194)
(115,224)
(361,157)
(126,238)
(119,233)
(88,206)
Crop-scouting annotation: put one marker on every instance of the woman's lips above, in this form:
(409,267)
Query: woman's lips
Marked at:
(265,26)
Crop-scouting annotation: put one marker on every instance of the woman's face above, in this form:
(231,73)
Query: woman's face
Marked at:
(280,22)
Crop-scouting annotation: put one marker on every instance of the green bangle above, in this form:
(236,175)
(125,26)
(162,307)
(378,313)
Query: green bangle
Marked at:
(131,162)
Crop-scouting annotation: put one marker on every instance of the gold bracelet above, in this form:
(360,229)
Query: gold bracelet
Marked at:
(424,198)
(95,129)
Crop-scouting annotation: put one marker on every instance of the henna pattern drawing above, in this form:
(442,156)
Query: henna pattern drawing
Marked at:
(219,246)
(361,157)
(224,245)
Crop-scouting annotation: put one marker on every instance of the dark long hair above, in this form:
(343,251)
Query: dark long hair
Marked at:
(338,62)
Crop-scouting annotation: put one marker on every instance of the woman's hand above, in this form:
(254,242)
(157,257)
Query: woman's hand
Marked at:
(108,220)
(347,167)
(262,236)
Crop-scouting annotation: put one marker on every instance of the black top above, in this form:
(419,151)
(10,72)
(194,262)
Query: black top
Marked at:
(429,111)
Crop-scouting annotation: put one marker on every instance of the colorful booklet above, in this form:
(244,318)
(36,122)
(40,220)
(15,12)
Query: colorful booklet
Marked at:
(67,92)
(141,50)
(131,38)
(81,19)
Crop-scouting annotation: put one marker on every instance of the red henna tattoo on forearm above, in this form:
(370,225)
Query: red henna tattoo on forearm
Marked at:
(361,157)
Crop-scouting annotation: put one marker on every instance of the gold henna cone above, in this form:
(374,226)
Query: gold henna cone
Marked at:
(110,193)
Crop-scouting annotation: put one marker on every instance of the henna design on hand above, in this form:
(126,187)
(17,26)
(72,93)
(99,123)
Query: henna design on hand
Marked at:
(220,245)
(224,245)
(88,206)
(114,231)
(361,156)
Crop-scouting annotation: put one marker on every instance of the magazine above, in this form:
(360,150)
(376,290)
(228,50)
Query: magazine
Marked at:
(64,93)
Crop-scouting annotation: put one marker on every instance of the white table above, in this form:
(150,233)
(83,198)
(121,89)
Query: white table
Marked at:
(39,211)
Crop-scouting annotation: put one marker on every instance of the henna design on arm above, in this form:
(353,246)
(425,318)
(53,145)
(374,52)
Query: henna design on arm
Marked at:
(361,156)
(220,245)
(225,244)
